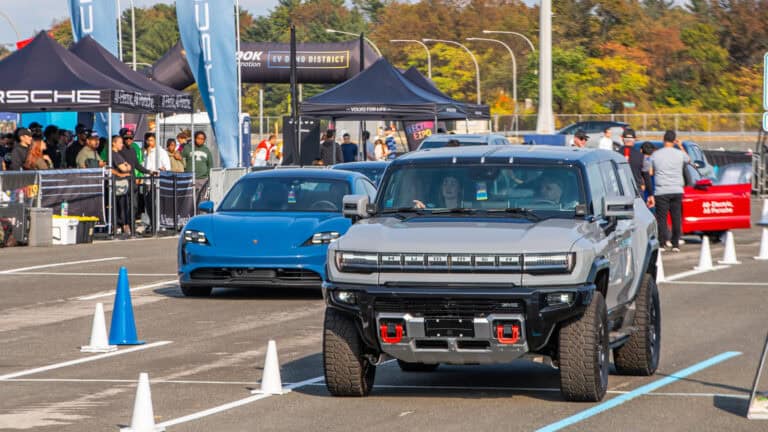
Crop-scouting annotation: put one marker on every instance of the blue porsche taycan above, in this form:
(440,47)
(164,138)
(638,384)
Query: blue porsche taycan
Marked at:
(272,229)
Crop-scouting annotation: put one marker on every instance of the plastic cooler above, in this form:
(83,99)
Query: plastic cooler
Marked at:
(64,230)
(85,228)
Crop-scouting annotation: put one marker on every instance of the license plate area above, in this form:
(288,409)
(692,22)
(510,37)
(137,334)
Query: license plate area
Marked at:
(449,327)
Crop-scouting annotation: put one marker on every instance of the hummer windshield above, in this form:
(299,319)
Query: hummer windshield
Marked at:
(534,191)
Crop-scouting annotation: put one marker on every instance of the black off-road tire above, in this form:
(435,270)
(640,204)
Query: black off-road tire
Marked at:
(640,354)
(347,370)
(583,345)
(417,367)
(196,291)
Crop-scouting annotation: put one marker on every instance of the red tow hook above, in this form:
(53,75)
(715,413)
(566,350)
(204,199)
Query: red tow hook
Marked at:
(391,339)
(512,329)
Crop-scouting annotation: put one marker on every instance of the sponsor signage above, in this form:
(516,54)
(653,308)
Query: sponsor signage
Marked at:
(309,59)
(47,97)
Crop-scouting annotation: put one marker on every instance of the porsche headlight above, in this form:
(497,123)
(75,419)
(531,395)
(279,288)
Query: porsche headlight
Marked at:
(549,262)
(195,236)
(322,238)
(356,262)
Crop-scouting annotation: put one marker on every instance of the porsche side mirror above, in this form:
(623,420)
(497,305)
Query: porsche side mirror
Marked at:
(205,207)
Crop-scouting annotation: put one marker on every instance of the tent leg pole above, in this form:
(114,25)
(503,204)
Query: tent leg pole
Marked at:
(110,221)
(191,143)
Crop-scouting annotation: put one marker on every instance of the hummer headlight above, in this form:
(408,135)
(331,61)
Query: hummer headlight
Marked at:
(360,262)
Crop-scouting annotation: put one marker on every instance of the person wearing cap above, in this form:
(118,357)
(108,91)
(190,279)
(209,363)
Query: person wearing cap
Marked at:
(668,166)
(635,158)
(580,139)
(74,148)
(89,157)
(20,149)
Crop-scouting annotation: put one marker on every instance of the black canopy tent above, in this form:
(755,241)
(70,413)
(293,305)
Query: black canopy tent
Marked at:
(380,92)
(44,76)
(473,111)
(167,99)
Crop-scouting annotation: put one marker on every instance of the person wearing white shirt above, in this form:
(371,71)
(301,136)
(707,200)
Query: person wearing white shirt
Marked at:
(606,143)
(153,162)
(155,159)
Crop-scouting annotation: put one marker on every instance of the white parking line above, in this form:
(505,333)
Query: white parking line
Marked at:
(138,288)
(719,283)
(37,267)
(686,274)
(92,274)
(245,401)
(82,360)
(128,381)
(234,404)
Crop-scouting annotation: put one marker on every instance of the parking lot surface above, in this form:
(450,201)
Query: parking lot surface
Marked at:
(205,355)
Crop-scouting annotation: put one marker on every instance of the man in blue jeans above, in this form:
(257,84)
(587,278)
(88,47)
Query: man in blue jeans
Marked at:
(668,164)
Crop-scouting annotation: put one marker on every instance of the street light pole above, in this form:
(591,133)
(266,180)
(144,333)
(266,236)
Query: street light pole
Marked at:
(13,26)
(514,70)
(530,44)
(119,31)
(426,48)
(133,32)
(477,66)
(545,123)
(330,30)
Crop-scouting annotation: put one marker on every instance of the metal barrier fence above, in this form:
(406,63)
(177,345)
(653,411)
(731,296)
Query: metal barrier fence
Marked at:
(739,123)
(113,200)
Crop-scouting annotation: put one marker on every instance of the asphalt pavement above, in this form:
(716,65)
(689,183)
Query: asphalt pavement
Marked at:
(204,356)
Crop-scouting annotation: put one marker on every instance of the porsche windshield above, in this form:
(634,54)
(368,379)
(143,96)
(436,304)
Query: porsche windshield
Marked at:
(286,194)
(546,189)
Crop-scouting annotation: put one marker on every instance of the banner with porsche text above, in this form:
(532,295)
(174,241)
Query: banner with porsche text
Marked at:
(207,29)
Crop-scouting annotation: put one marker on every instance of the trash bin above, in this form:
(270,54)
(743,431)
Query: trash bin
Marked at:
(40,227)
(85,228)
(64,230)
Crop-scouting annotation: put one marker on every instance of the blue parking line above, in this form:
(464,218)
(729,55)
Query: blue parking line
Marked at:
(618,400)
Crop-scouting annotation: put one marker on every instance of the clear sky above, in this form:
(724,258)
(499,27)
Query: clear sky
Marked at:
(31,16)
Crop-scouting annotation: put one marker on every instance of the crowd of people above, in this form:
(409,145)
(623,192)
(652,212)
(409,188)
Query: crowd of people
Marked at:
(660,175)
(133,162)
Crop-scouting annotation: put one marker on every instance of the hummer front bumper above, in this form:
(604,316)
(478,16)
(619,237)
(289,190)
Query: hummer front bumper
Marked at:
(458,324)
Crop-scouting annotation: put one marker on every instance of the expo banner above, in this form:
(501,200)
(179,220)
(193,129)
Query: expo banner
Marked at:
(416,132)
(212,58)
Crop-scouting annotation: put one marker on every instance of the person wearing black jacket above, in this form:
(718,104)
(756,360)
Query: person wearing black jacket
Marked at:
(636,159)
(20,150)
(70,154)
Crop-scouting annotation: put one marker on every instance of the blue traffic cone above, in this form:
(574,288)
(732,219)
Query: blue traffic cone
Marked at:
(122,331)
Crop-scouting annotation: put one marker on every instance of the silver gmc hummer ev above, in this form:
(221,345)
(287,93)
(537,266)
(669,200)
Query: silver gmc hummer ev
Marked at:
(476,255)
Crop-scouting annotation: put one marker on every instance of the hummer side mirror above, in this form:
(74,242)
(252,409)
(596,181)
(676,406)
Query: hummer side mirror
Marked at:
(355,206)
(619,207)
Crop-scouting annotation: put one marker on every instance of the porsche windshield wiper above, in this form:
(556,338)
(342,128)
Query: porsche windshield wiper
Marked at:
(518,211)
